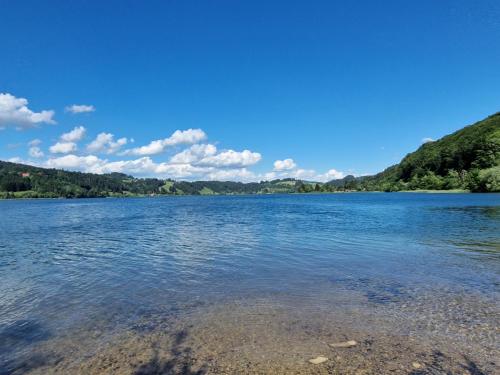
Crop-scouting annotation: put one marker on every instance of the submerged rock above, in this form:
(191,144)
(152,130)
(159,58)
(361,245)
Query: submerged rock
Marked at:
(345,344)
(318,360)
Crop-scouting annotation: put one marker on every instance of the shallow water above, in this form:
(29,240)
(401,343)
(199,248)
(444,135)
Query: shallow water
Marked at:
(88,272)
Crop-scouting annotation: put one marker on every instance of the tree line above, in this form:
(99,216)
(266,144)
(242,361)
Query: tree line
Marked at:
(468,159)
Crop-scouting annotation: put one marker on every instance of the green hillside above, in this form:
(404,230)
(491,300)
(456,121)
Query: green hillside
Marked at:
(468,159)
(24,181)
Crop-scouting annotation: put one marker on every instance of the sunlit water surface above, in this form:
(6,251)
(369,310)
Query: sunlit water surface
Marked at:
(429,260)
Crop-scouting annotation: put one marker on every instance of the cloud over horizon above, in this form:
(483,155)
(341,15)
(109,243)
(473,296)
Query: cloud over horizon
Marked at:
(284,165)
(187,153)
(67,141)
(36,152)
(179,137)
(74,135)
(63,147)
(105,143)
(287,168)
(80,108)
(15,112)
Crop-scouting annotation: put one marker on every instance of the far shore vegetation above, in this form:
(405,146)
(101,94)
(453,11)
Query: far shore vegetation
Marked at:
(465,161)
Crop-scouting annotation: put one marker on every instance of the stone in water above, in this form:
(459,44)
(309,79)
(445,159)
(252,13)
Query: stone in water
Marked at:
(318,360)
(345,344)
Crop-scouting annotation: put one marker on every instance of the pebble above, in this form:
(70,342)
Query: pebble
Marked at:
(345,344)
(318,360)
(416,365)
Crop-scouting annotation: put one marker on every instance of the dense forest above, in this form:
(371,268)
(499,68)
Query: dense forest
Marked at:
(468,159)
(24,181)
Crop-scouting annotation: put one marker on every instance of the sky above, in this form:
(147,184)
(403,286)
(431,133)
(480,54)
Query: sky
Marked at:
(241,90)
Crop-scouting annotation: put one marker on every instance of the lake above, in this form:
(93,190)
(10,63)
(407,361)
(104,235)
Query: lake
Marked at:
(251,284)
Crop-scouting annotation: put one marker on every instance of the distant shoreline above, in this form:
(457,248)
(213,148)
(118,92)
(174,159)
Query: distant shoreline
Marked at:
(454,191)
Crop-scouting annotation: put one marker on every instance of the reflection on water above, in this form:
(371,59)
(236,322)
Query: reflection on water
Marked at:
(423,264)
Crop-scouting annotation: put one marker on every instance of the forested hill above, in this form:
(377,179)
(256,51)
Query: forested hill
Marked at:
(24,181)
(467,159)
(19,180)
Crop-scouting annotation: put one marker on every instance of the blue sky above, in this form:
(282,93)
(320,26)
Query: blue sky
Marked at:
(339,87)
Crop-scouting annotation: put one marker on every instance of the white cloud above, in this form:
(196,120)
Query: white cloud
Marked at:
(186,166)
(196,161)
(142,166)
(63,148)
(68,141)
(193,154)
(302,174)
(231,158)
(80,108)
(74,135)
(115,146)
(155,147)
(189,136)
(287,168)
(284,165)
(179,137)
(14,111)
(88,163)
(332,174)
(197,156)
(179,171)
(305,174)
(35,152)
(312,175)
(16,159)
(105,143)
(145,166)
(239,174)
(191,164)
(427,140)
(269,176)
(100,142)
